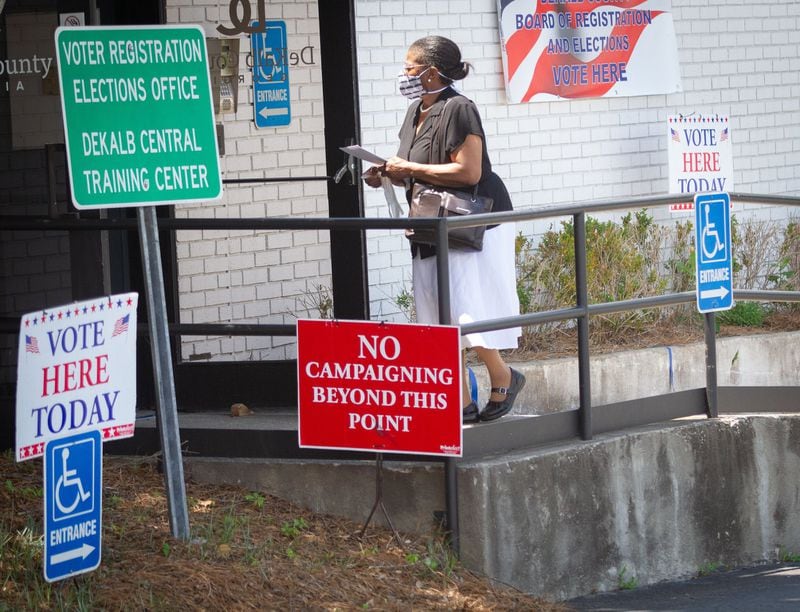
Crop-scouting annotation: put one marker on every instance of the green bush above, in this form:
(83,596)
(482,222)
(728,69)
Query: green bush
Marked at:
(637,258)
(681,264)
(743,314)
(622,262)
(756,247)
(787,275)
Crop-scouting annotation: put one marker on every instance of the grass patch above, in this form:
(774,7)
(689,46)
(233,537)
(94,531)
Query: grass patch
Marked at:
(625,580)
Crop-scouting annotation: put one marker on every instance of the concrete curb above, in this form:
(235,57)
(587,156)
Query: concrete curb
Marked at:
(754,360)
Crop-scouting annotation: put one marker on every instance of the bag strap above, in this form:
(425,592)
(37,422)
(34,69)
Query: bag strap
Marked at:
(436,128)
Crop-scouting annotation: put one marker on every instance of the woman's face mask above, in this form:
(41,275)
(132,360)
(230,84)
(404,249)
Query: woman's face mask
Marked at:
(410,85)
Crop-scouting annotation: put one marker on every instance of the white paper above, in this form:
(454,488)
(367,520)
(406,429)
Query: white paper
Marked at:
(363,154)
(391,198)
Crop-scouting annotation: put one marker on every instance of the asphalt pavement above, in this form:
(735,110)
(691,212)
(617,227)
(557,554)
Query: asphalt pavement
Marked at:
(769,588)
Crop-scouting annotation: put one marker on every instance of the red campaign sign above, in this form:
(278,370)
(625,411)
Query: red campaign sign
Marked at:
(386,387)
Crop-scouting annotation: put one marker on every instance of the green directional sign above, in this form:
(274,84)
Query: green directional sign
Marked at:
(138,115)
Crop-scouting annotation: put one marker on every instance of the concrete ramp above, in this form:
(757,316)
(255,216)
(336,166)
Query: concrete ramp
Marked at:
(640,507)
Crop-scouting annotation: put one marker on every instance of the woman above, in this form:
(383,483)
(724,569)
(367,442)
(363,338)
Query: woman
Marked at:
(442,143)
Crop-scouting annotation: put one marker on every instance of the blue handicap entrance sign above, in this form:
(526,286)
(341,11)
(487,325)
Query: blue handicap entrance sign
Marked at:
(271,75)
(714,261)
(73,479)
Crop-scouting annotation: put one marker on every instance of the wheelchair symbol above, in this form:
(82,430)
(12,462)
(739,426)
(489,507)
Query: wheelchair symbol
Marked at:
(709,238)
(270,59)
(66,485)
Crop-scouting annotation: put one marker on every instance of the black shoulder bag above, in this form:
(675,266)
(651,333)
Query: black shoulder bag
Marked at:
(432,201)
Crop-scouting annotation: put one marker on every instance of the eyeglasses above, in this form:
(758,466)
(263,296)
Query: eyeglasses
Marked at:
(409,67)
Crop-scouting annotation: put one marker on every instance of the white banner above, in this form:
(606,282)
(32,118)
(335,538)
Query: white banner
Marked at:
(556,49)
(700,156)
(76,372)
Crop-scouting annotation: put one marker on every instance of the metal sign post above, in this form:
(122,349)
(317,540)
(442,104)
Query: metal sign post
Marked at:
(714,272)
(161,352)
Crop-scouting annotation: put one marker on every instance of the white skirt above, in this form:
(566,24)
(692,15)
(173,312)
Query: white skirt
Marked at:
(483,285)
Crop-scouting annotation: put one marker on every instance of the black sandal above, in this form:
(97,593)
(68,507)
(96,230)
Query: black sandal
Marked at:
(469,414)
(495,409)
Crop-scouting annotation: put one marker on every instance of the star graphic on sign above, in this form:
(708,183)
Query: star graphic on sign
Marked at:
(60,314)
(44,317)
(129,301)
(76,311)
(110,304)
(35,321)
(24,452)
(52,316)
(27,323)
(102,305)
(69,313)
(40,448)
(94,307)
(119,303)
(85,310)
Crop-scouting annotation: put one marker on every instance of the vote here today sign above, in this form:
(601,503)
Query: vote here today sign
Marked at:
(76,372)
(138,115)
(381,387)
(700,156)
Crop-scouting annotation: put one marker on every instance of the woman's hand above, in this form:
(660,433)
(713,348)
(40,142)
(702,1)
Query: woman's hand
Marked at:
(463,170)
(399,169)
(372,176)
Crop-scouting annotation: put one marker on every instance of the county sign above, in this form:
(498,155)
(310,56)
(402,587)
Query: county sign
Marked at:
(138,115)
(380,387)
(76,372)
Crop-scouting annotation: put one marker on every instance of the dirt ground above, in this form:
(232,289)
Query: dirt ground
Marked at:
(249,551)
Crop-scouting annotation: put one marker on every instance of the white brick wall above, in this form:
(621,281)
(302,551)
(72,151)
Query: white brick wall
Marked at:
(737,59)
